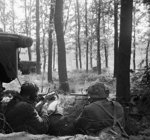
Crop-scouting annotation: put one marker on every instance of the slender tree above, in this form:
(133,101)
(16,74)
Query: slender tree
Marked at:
(62,70)
(98,11)
(3,16)
(79,28)
(91,53)
(147,50)
(13,16)
(50,41)
(91,36)
(91,46)
(115,37)
(44,27)
(76,39)
(104,42)
(134,37)
(38,56)
(27,28)
(76,56)
(86,36)
(148,43)
(54,54)
(123,75)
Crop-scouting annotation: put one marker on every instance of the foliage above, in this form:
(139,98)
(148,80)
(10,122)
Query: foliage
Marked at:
(73,105)
(146,1)
(70,25)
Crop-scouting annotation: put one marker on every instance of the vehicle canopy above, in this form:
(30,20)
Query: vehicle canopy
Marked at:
(9,44)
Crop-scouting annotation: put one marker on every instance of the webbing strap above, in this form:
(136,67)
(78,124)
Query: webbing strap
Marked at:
(113,117)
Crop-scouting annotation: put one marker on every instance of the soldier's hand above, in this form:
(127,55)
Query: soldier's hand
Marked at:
(39,106)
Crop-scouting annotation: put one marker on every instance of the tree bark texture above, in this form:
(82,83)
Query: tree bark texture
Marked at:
(98,37)
(62,70)
(115,37)
(105,43)
(123,75)
(13,16)
(76,38)
(38,56)
(27,29)
(50,40)
(54,55)
(79,28)
(134,39)
(44,52)
(86,37)
(147,49)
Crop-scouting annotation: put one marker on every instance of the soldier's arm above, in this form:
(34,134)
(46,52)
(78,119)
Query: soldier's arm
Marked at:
(81,123)
(39,123)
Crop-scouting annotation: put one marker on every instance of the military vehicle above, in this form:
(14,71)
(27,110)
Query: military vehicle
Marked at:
(27,67)
(9,44)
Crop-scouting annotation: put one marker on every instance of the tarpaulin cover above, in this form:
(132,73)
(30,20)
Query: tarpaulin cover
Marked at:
(9,44)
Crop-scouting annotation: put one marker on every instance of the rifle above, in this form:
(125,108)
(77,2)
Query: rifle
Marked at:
(80,96)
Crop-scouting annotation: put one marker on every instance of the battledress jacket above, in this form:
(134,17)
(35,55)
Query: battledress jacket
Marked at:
(93,118)
(22,116)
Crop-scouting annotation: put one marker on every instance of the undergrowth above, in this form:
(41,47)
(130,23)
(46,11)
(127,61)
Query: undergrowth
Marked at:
(78,81)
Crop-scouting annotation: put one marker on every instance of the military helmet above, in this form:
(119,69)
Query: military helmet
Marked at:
(97,90)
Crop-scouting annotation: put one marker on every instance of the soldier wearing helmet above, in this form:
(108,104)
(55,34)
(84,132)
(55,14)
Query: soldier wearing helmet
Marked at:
(21,113)
(99,113)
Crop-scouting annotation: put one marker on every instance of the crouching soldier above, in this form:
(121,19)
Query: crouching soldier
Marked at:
(99,114)
(21,113)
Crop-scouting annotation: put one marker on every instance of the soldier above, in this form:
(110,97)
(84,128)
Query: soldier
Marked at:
(21,113)
(99,113)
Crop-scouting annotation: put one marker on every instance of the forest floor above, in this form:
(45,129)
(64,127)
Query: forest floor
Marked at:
(137,127)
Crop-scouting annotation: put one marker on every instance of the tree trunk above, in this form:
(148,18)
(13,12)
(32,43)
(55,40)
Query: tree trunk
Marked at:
(13,17)
(134,39)
(54,55)
(91,42)
(26,28)
(76,37)
(38,57)
(44,52)
(62,70)
(147,49)
(105,45)
(86,38)
(98,38)
(106,55)
(79,26)
(115,37)
(123,75)
(30,20)
(50,41)
(4,14)
(77,66)
(91,53)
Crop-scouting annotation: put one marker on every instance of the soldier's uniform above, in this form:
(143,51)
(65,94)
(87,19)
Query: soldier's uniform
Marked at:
(22,115)
(94,118)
